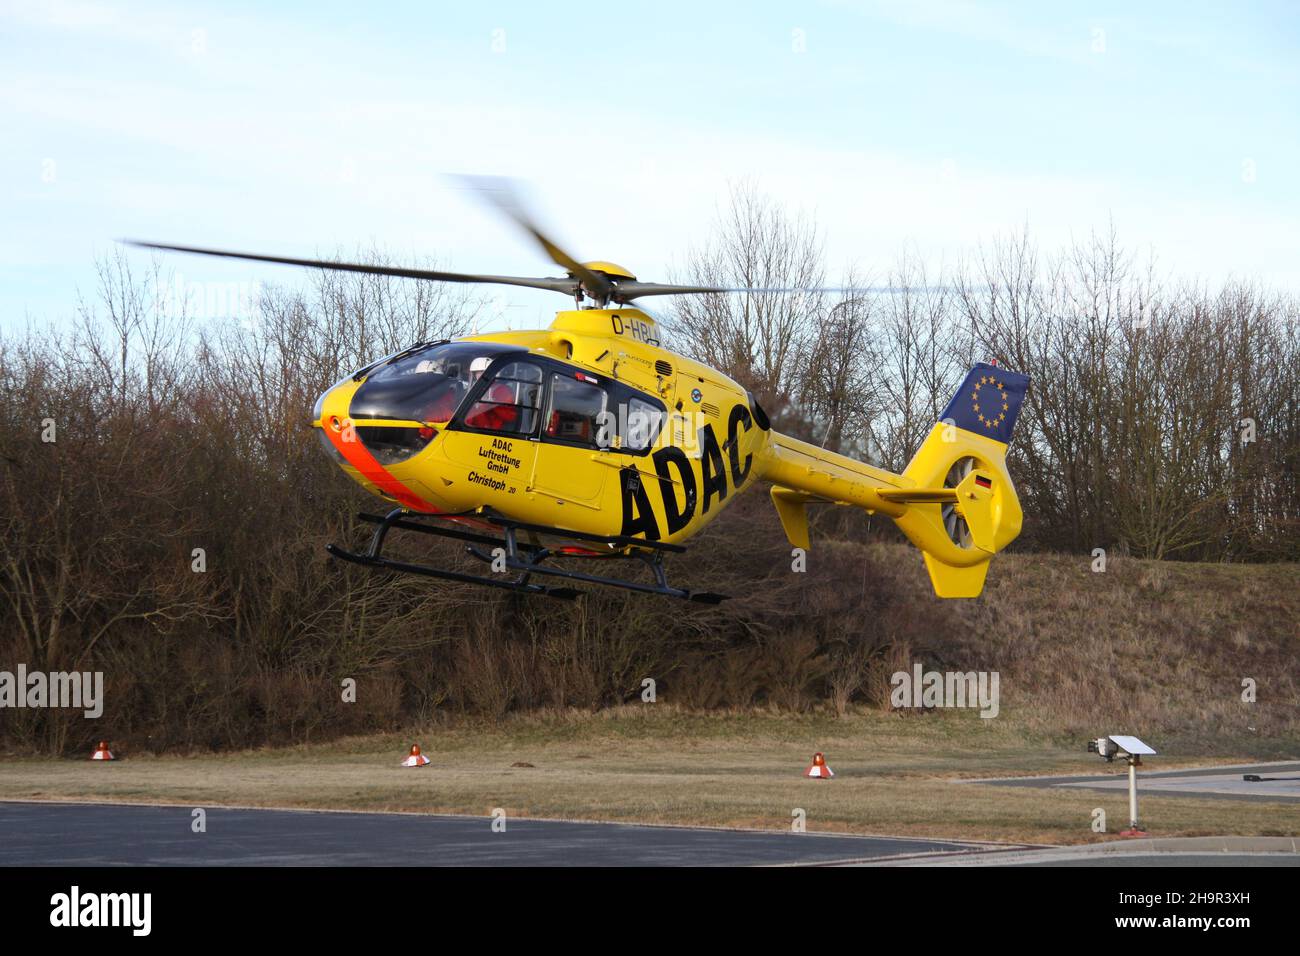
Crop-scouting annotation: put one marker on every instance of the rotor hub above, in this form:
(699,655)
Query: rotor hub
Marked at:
(612,272)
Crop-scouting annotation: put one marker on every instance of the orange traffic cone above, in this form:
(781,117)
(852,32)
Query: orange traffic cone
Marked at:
(102,752)
(415,759)
(818,769)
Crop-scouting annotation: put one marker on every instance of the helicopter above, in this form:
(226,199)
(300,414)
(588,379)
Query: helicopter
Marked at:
(549,453)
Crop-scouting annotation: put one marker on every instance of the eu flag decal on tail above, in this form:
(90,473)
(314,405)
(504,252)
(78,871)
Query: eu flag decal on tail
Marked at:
(988,402)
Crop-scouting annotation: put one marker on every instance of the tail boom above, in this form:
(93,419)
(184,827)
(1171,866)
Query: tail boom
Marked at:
(955,499)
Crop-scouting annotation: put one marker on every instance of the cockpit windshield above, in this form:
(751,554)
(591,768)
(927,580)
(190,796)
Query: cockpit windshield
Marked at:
(426,386)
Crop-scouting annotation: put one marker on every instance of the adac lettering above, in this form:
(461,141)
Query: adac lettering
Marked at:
(638,518)
(674,469)
(666,461)
(739,415)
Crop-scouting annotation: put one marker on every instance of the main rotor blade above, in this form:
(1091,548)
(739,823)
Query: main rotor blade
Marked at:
(500,192)
(632,289)
(567,286)
(629,289)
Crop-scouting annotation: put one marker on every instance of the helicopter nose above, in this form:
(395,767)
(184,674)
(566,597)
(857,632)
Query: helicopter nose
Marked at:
(323,422)
(361,422)
(366,448)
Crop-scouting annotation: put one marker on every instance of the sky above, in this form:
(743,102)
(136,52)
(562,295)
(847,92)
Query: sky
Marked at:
(308,128)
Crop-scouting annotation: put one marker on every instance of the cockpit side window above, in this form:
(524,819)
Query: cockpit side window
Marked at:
(608,415)
(511,401)
(577,410)
(643,424)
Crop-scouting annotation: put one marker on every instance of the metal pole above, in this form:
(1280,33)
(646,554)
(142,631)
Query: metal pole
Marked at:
(1133,793)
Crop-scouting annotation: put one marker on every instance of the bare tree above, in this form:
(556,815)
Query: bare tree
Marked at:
(923,355)
(835,374)
(756,337)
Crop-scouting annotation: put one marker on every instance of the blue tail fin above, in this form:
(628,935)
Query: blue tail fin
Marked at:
(988,402)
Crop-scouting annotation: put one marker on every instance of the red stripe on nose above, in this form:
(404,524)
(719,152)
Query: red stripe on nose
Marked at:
(361,459)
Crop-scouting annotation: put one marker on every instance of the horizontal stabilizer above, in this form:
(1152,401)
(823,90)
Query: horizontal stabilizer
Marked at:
(919,496)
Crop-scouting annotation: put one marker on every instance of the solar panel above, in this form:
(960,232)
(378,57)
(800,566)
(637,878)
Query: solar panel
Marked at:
(1131,745)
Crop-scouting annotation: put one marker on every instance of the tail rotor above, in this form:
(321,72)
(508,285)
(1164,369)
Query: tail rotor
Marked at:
(953,521)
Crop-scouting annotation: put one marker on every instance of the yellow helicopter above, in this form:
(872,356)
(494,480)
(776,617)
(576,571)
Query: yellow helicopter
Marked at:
(591,440)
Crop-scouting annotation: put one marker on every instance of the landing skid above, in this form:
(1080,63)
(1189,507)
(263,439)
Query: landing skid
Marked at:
(523,557)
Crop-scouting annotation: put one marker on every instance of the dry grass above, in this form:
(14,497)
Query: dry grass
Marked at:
(1160,647)
(655,764)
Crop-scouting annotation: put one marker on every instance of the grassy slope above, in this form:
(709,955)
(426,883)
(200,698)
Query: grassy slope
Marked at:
(1158,647)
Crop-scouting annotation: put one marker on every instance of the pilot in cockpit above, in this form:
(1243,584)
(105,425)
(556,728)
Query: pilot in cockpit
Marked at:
(459,379)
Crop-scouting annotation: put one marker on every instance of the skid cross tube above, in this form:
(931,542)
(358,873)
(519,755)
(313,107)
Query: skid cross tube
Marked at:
(524,557)
(374,559)
(618,541)
(661,586)
(454,533)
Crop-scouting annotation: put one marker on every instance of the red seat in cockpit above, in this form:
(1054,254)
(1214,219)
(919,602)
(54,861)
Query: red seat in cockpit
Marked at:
(495,411)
